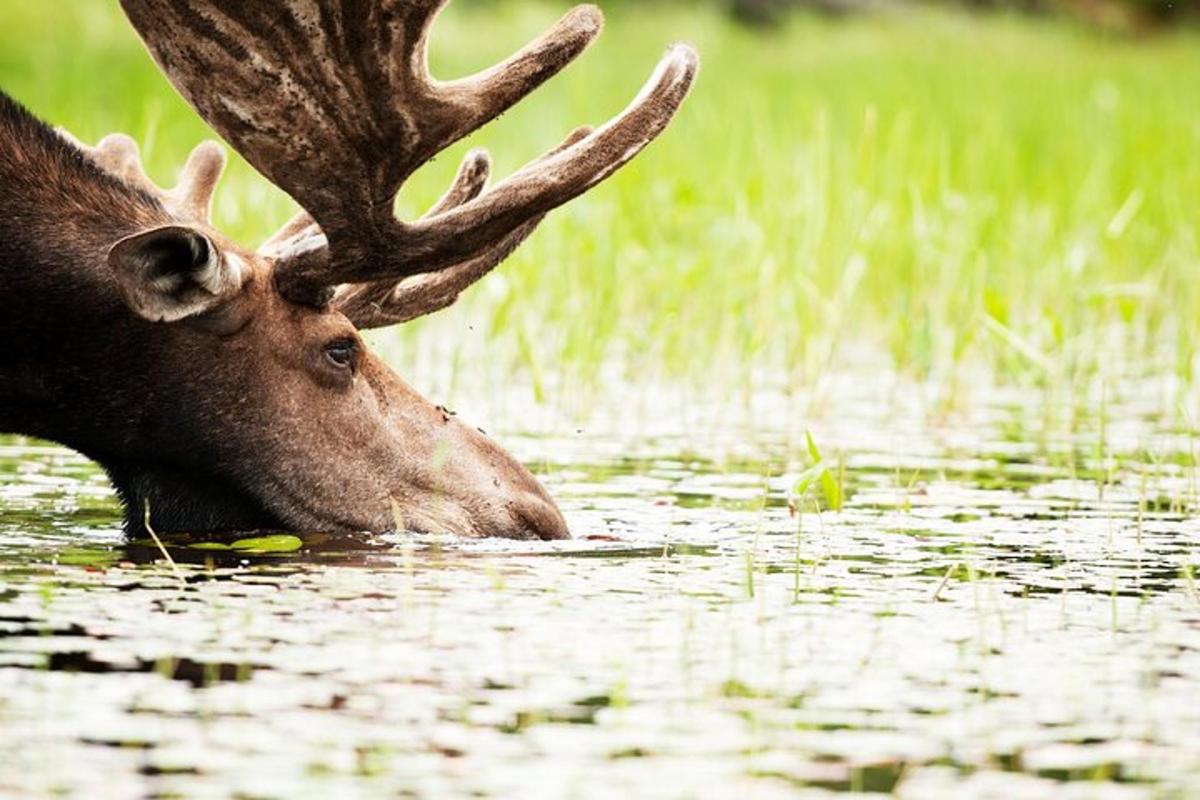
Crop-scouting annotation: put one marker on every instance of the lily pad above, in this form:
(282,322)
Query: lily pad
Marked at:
(278,543)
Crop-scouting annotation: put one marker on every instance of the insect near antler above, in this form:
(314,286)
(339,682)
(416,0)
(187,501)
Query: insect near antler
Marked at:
(230,388)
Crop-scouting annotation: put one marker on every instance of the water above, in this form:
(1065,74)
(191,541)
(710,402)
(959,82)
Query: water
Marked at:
(1002,609)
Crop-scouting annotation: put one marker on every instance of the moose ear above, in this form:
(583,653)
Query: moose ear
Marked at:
(173,272)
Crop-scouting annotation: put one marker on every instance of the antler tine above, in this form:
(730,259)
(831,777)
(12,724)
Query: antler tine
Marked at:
(410,34)
(377,305)
(189,200)
(192,196)
(299,227)
(490,93)
(478,99)
(469,181)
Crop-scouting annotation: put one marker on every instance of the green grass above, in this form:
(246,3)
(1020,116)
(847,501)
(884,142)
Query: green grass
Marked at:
(952,191)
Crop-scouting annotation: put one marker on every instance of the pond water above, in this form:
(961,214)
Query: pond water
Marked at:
(1001,609)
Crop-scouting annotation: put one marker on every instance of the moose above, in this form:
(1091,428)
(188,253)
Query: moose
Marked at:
(224,389)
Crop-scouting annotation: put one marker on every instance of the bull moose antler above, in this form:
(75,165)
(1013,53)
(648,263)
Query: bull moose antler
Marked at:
(189,200)
(333,102)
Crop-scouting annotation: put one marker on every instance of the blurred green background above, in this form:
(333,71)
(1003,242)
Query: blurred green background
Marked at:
(934,190)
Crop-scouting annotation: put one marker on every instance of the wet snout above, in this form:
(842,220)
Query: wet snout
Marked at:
(536,517)
(509,501)
(449,477)
(479,489)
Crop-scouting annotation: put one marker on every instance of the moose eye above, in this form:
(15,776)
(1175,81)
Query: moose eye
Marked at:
(341,353)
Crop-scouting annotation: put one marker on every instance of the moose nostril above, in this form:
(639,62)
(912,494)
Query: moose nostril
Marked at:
(542,519)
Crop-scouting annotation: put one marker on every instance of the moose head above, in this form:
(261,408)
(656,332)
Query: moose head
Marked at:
(241,394)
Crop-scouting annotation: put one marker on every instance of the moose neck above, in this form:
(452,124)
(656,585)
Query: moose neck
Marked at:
(60,314)
(74,355)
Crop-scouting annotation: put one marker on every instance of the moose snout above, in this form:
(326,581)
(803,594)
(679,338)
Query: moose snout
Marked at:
(502,497)
(536,517)
(453,478)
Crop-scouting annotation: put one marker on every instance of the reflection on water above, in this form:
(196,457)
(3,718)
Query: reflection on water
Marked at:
(997,612)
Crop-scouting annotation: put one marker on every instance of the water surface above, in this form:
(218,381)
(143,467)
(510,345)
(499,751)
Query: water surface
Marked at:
(999,610)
